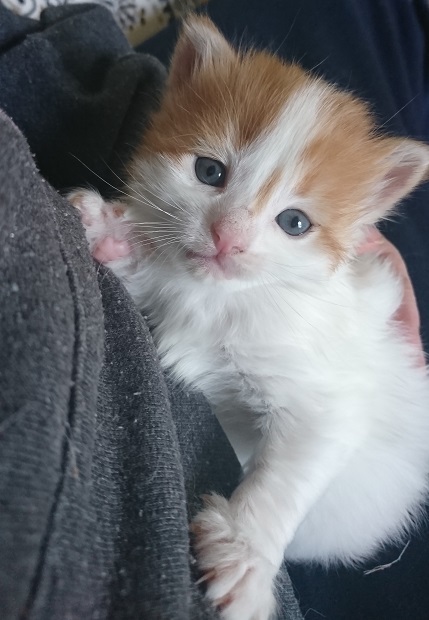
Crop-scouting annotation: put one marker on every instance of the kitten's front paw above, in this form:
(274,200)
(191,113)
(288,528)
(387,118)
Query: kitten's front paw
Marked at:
(105,229)
(239,580)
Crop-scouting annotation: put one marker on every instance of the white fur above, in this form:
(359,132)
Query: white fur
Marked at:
(309,375)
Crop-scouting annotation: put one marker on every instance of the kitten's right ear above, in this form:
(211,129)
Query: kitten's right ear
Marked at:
(404,165)
(200,44)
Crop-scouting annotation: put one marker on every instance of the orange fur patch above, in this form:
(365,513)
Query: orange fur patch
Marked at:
(267,190)
(236,98)
(341,167)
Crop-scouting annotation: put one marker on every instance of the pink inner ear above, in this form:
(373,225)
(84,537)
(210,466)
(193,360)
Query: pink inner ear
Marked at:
(188,59)
(398,181)
(403,167)
(184,61)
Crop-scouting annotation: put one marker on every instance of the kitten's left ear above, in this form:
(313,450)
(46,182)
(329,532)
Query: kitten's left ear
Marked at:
(200,44)
(404,165)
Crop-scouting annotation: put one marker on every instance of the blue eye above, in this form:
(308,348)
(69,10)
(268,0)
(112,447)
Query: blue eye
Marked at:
(294,222)
(210,171)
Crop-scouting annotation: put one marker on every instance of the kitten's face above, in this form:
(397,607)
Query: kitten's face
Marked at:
(260,172)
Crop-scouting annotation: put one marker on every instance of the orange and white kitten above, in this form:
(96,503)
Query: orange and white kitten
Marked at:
(238,233)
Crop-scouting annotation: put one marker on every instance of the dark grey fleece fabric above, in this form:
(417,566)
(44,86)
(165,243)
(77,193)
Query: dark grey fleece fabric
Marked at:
(101,459)
(93,477)
(77,91)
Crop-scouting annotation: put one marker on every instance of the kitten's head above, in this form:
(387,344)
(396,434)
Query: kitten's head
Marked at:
(259,170)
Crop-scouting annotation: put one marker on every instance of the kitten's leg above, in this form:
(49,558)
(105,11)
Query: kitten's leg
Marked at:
(105,225)
(240,543)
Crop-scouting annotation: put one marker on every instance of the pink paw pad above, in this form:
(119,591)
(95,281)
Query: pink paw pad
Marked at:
(110,249)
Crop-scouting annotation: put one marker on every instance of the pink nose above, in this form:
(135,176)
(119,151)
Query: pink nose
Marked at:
(226,242)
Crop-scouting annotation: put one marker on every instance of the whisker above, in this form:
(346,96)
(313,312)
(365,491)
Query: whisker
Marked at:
(165,251)
(173,204)
(121,191)
(287,302)
(276,51)
(269,291)
(143,239)
(291,289)
(153,238)
(151,226)
(149,229)
(399,111)
(133,189)
(141,195)
(150,203)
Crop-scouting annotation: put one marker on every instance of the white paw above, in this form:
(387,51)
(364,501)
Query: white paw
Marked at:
(105,226)
(239,580)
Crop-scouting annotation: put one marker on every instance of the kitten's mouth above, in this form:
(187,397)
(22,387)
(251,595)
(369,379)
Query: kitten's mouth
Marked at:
(218,265)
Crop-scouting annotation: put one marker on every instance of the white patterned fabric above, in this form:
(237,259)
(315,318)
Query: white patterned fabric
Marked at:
(139,19)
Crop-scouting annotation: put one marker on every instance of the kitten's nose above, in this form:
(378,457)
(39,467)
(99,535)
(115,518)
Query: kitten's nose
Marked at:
(226,241)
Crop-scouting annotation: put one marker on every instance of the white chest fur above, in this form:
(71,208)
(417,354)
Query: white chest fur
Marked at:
(331,375)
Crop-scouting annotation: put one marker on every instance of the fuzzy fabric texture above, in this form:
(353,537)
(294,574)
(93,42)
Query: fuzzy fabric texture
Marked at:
(87,95)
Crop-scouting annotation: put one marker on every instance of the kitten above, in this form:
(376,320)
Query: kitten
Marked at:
(245,205)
